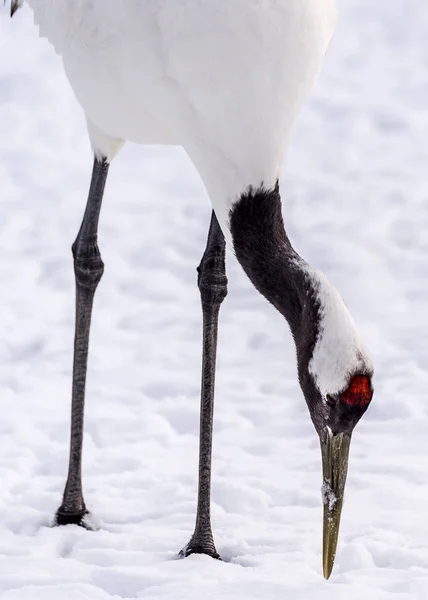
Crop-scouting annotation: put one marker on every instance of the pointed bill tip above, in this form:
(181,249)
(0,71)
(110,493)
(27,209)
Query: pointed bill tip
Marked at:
(330,537)
(328,568)
(335,452)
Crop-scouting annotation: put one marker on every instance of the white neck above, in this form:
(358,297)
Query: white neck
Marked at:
(339,351)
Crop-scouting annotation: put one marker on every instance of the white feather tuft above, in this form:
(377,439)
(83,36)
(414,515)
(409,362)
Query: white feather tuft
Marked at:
(339,351)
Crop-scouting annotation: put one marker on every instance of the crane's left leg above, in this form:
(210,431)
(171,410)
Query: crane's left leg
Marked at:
(212,283)
(88,270)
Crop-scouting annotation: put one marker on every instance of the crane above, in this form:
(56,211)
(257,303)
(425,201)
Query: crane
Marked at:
(226,81)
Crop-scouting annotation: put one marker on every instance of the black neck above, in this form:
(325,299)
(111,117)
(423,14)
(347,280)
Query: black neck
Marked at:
(276,270)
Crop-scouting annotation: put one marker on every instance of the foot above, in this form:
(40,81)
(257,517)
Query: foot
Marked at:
(200,546)
(82,519)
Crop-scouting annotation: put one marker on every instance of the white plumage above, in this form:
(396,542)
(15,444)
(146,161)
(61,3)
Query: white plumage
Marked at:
(224,78)
(339,351)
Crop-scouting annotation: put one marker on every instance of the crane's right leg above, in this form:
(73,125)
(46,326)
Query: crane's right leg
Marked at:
(212,282)
(88,270)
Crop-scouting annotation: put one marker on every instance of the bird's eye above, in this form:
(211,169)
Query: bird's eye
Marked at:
(331,400)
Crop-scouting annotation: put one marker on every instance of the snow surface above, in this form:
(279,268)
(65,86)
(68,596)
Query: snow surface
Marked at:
(355,197)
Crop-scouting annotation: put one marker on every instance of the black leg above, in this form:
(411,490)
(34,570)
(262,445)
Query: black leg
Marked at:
(88,269)
(212,284)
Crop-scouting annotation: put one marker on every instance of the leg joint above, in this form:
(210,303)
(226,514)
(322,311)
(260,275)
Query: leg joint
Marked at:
(88,265)
(212,280)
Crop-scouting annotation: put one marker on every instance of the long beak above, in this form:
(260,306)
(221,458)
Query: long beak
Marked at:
(335,452)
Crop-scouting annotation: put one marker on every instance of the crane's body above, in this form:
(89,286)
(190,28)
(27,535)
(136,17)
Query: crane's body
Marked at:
(225,79)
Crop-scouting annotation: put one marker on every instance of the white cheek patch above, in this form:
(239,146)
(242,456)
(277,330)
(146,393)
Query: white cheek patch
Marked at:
(339,351)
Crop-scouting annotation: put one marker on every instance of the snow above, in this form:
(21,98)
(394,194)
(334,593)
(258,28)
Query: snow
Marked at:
(354,192)
(328,496)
